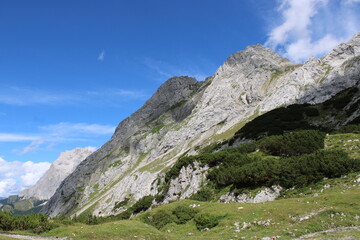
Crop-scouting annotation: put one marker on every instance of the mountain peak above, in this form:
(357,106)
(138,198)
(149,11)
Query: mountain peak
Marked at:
(58,171)
(253,57)
(344,51)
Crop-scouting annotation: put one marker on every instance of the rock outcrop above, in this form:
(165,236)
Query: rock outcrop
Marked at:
(263,195)
(184,114)
(187,183)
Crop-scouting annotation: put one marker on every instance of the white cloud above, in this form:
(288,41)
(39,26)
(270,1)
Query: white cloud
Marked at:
(28,97)
(7,187)
(25,97)
(312,27)
(101,56)
(16,176)
(33,172)
(9,137)
(119,93)
(34,145)
(67,129)
(50,135)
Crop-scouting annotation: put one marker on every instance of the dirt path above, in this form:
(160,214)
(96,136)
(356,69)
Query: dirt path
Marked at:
(28,237)
(334,230)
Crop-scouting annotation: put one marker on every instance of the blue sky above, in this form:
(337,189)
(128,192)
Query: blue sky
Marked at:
(70,71)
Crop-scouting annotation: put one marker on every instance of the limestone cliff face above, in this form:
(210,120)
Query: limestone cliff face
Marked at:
(184,113)
(58,171)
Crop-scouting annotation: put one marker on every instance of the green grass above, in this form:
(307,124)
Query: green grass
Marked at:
(113,230)
(341,198)
(231,131)
(349,142)
(178,104)
(327,68)
(115,164)
(350,63)
(157,128)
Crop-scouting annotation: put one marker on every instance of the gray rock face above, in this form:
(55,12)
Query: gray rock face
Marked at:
(58,171)
(264,195)
(184,113)
(187,183)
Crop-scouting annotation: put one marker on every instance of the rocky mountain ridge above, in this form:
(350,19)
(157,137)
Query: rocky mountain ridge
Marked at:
(64,165)
(184,115)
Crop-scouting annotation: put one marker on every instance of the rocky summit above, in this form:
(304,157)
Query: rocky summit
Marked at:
(184,115)
(45,188)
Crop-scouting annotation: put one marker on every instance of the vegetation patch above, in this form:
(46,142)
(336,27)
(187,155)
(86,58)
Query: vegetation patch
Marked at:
(206,221)
(301,116)
(179,215)
(37,223)
(115,164)
(120,204)
(157,128)
(178,104)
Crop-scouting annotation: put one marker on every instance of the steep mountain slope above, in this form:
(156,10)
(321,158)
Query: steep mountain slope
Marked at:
(58,171)
(184,114)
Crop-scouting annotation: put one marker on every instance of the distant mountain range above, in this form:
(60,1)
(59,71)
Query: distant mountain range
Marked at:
(32,199)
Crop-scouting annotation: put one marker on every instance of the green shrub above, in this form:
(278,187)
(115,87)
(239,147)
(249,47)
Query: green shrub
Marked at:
(91,220)
(351,128)
(124,215)
(293,144)
(311,112)
(183,214)
(142,204)
(158,219)
(37,223)
(121,204)
(353,107)
(341,102)
(179,215)
(204,195)
(355,120)
(275,122)
(205,220)
(303,170)
(159,198)
(244,148)
(64,220)
(289,172)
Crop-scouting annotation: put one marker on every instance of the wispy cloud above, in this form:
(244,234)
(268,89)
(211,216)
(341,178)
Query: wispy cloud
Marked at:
(9,137)
(33,146)
(313,27)
(16,176)
(51,135)
(352,1)
(166,70)
(75,129)
(101,56)
(28,97)
(119,94)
